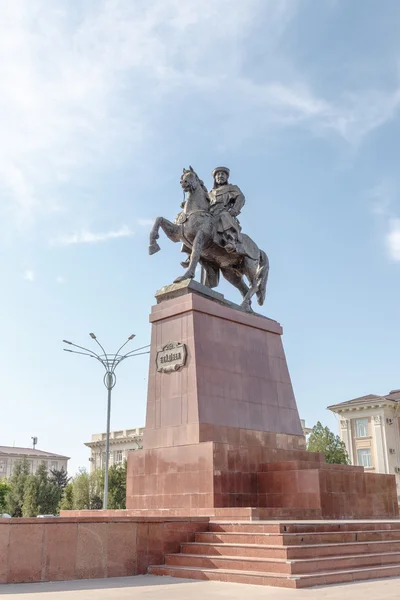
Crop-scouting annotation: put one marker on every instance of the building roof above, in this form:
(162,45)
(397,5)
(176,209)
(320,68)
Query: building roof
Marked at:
(33,453)
(393,396)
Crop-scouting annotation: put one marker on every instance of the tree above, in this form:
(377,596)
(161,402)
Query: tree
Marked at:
(48,492)
(96,489)
(29,504)
(80,493)
(5,489)
(60,478)
(322,439)
(67,501)
(41,494)
(15,498)
(86,491)
(117,486)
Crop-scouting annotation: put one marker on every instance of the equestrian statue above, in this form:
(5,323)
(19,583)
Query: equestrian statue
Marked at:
(211,236)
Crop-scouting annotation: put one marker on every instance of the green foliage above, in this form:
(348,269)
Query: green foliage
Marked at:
(117,486)
(322,439)
(60,478)
(41,494)
(80,490)
(67,500)
(30,495)
(29,503)
(5,489)
(96,489)
(18,480)
(86,492)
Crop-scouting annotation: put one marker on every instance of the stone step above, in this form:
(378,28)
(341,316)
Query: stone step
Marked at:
(340,527)
(306,527)
(211,537)
(347,576)
(279,565)
(236,563)
(253,550)
(341,563)
(217,526)
(278,579)
(291,552)
(341,549)
(291,539)
(226,575)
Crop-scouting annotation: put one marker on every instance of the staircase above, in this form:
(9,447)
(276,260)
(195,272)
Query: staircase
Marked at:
(289,554)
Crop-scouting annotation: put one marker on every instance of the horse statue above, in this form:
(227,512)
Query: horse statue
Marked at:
(195,226)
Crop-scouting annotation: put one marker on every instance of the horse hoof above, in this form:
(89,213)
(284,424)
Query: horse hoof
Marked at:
(246,307)
(153,248)
(183,277)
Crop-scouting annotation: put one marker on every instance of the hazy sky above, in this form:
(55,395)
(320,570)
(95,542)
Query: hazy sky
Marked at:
(103,102)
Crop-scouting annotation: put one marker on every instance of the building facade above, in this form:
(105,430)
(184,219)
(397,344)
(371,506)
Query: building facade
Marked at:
(121,442)
(306,430)
(370,428)
(9,456)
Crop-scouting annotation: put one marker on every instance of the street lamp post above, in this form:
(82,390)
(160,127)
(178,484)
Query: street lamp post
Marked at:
(110,363)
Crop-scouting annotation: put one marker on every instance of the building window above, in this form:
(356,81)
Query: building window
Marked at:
(3,466)
(364,457)
(362,428)
(54,465)
(118,456)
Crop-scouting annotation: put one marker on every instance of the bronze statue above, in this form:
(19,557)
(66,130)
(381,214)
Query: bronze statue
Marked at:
(211,234)
(226,202)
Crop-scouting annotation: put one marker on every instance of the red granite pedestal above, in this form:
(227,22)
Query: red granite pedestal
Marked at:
(223,431)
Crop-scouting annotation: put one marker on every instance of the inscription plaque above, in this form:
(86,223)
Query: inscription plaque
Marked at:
(171,357)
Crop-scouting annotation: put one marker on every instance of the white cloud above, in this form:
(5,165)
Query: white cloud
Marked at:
(393,239)
(82,82)
(29,275)
(88,237)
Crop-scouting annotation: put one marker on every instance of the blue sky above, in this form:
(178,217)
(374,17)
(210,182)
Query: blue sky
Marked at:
(103,103)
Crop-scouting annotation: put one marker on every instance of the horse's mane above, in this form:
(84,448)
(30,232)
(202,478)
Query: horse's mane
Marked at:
(201,182)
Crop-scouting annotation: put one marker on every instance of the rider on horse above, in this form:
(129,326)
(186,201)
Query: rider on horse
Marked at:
(226,202)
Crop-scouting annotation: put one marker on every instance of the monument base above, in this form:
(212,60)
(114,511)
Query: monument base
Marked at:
(223,435)
(225,481)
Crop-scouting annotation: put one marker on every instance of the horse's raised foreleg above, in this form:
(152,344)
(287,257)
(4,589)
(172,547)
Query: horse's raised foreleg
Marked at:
(197,247)
(171,230)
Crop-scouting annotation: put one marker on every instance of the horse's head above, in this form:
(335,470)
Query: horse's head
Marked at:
(189,180)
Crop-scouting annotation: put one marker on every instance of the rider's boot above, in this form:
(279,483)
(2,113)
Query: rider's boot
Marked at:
(185,263)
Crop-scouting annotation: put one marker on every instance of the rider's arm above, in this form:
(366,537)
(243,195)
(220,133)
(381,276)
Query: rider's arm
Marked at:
(238,203)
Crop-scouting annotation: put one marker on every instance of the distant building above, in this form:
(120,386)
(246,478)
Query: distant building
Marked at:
(9,456)
(306,430)
(370,428)
(121,442)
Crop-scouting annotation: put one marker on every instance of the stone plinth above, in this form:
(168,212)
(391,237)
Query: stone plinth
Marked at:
(235,385)
(211,424)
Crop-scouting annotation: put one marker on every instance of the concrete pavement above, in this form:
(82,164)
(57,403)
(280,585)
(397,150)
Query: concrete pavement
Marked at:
(166,588)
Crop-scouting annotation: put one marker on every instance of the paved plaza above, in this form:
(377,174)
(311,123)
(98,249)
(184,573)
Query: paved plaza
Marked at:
(166,588)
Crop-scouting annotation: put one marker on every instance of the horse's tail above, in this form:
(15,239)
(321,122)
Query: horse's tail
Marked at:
(262,277)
